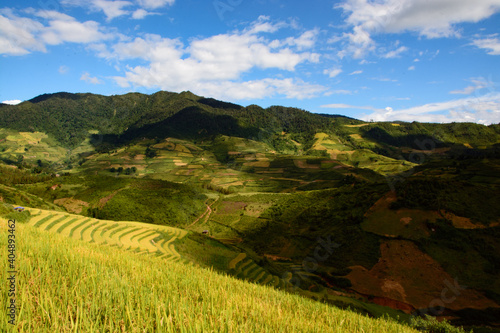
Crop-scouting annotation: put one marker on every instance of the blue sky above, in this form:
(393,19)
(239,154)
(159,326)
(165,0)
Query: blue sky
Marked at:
(384,60)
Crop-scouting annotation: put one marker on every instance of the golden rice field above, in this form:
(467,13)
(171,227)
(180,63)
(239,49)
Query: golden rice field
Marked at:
(134,236)
(67,285)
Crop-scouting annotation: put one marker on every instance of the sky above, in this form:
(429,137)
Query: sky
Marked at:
(383,60)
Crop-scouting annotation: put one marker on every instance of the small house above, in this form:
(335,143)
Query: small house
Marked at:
(205,232)
(19,209)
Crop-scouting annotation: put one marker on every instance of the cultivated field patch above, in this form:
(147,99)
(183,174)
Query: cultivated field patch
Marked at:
(133,236)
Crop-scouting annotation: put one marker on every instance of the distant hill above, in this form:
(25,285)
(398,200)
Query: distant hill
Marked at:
(69,117)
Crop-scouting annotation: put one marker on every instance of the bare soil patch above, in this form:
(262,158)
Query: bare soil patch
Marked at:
(72,205)
(304,165)
(230,207)
(406,274)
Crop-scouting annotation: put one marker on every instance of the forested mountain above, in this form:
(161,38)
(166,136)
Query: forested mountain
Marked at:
(69,118)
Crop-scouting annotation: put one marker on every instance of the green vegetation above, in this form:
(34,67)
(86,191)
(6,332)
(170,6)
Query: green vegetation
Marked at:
(432,325)
(475,201)
(256,194)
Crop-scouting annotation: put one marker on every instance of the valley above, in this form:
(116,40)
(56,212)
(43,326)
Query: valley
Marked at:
(387,219)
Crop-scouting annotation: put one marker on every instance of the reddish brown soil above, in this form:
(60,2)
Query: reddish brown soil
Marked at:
(275,258)
(407,275)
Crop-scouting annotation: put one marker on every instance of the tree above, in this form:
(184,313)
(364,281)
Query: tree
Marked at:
(150,152)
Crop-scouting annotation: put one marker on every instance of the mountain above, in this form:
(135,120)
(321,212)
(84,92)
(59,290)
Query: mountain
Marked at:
(353,213)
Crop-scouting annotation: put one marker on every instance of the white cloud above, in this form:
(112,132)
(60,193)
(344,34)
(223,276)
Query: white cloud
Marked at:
(428,18)
(491,44)
(253,89)
(61,31)
(395,53)
(115,8)
(342,92)
(22,35)
(332,72)
(112,9)
(18,35)
(153,4)
(356,72)
(12,101)
(262,24)
(348,106)
(478,84)
(215,65)
(89,79)
(140,13)
(63,69)
(484,110)
(305,41)
(383,79)
(411,68)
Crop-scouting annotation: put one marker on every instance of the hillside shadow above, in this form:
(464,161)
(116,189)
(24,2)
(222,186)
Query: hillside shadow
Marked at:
(219,104)
(415,141)
(188,124)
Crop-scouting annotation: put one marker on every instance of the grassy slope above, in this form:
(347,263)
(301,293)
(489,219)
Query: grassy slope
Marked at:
(172,244)
(66,285)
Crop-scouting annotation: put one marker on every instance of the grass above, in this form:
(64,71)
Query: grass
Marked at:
(65,285)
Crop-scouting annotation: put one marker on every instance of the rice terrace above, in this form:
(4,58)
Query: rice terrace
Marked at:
(250,166)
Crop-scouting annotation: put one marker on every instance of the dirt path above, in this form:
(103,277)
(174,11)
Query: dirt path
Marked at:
(207,217)
(199,217)
(103,201)
(205,214)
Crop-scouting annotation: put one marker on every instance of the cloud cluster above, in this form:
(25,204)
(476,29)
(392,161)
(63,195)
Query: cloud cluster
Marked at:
(483,110)
(478,84)
(490,44)
(215,65)
(138,9)
(90,79)
(428,18)
(23,35)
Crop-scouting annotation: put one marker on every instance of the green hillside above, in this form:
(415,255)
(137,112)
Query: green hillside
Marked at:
(376,217)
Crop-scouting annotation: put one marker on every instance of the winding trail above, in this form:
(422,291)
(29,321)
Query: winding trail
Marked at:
(206,214)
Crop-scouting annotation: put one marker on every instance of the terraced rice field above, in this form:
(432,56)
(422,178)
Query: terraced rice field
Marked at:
(246,268)
(133,236)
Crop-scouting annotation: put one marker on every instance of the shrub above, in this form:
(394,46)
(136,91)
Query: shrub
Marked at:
(432,325)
